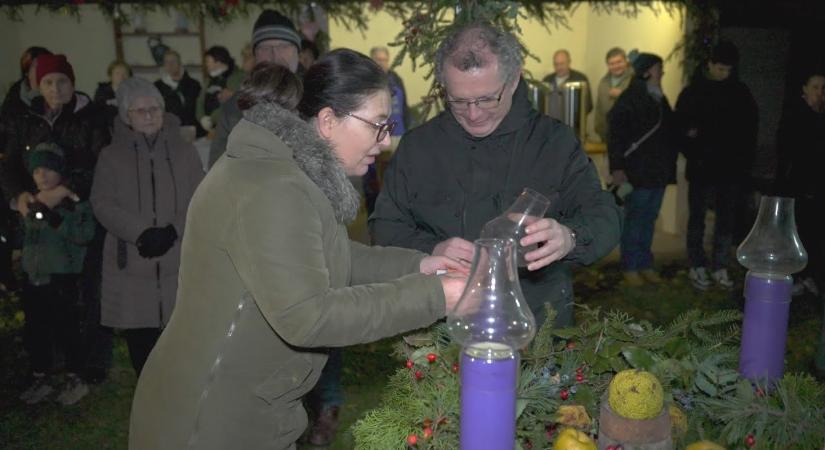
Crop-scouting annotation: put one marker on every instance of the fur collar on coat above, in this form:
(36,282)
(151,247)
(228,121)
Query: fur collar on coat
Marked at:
(313,155)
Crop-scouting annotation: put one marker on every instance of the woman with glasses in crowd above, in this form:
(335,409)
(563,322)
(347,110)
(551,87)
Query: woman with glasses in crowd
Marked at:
(142,186)
(269,279)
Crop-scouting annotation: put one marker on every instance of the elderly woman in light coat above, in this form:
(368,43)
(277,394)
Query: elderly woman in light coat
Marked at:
(142,186)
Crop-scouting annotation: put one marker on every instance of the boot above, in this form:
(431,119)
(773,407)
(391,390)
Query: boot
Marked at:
(325,426)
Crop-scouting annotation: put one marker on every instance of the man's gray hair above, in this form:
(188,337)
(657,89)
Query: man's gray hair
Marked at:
(468,46)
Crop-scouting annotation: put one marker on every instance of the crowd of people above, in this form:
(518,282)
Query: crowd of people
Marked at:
(235,289)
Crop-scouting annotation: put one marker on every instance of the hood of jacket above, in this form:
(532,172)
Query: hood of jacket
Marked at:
(313,155)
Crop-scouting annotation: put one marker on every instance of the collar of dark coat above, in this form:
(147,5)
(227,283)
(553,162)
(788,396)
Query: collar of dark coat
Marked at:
(520,112)
(311,153)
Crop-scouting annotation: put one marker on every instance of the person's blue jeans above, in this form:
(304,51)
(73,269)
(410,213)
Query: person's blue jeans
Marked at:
(327,391)
(723,198)
(641,208)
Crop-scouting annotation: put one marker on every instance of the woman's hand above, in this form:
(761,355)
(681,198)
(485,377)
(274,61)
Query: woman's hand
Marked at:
(453,284)
(433,264)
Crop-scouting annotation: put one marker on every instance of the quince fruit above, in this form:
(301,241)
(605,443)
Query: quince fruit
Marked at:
(573,439)
(704,445)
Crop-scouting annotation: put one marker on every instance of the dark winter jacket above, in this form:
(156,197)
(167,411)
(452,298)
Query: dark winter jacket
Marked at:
(78,129)
(107,102)
(58,247)
(443,182)
(800,151)
(636,112)
(725,116)
(181,100)
(575,75)
(139,186)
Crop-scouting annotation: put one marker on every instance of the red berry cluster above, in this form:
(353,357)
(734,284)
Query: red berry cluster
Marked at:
(614,447)
(750,441)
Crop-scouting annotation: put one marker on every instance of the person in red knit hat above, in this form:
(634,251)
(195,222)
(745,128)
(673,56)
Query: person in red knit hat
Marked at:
(70,120)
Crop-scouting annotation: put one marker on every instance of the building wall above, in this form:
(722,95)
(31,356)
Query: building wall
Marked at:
(89,45)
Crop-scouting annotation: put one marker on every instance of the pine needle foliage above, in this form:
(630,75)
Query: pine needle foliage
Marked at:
(695,357)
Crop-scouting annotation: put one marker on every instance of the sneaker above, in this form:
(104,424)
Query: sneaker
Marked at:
(73,391)
(38,391)
(651,276)
(810,285)
(721,278)
(797,289)
(633,279)
(699,278)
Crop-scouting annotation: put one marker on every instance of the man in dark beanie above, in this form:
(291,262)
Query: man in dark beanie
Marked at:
(642,151)
(274,39)
(718,118)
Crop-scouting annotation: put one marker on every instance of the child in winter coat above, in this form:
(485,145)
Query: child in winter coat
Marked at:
(54,247)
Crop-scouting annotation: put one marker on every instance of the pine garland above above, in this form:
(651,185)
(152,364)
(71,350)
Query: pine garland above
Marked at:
(565,372)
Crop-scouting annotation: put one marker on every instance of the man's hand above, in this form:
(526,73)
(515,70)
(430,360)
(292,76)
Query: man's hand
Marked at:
(618,177)
(53,197)
(432,264)
(555,241)
(455,248)
(23,201)
(614,92)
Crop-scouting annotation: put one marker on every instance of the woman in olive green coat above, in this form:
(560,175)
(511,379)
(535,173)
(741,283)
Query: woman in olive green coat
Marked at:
(268,276)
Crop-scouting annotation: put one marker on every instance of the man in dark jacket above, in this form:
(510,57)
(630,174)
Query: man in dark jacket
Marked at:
(641,151)
(274,39)
(463,168)
(718,117)
(801,156)
(565,74)
(180,91)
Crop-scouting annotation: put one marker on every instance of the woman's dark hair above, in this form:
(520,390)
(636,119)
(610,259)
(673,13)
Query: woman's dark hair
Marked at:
(342,79)
(221,55)
(270,83)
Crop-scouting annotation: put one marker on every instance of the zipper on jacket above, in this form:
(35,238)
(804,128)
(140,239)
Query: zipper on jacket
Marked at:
(155,223)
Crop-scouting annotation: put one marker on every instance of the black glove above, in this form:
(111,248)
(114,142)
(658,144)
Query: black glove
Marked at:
(40,212)
(156,241)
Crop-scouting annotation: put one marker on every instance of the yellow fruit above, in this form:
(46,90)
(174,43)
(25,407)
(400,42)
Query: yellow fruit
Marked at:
(704,445)
(573,416)
(678,419)
(635,394)
(572,439)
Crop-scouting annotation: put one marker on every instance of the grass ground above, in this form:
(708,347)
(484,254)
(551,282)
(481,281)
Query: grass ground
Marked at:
(100,421)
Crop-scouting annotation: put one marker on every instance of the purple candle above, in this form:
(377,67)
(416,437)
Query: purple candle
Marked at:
(765,327)
(488,401)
